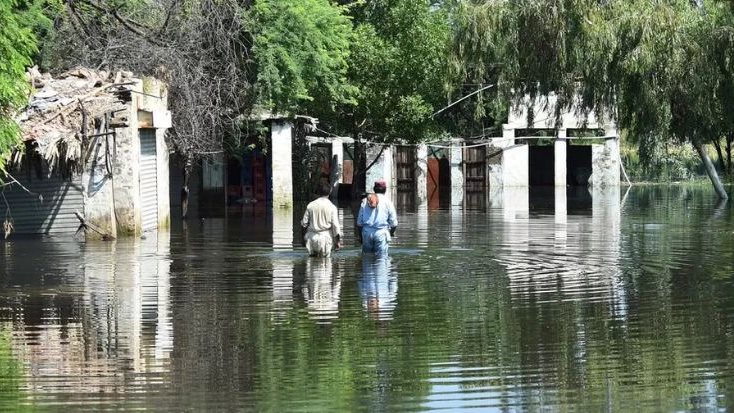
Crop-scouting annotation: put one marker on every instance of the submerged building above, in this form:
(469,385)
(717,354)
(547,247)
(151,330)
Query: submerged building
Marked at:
(543,152)
(94,154)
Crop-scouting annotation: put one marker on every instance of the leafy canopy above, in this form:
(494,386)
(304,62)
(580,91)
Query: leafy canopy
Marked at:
(17,46)
(301,50)
(399,66)
(662,68)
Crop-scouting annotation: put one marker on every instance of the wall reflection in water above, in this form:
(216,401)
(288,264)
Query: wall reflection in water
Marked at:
(97,322)
(565,255)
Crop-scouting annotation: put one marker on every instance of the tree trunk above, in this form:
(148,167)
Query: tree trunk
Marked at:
(359,169)
(729,166)
(720,155)
(185,189)
(711,171)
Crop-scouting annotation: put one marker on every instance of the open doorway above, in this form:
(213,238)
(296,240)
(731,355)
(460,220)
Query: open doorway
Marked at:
(578,165)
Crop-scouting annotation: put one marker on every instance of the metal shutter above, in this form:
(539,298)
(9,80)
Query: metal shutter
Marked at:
(148,180)
(54,214)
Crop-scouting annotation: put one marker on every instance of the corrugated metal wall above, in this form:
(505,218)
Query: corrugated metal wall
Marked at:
(148,179)
(52,215)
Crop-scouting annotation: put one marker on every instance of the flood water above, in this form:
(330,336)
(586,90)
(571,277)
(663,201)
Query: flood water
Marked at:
(620,302)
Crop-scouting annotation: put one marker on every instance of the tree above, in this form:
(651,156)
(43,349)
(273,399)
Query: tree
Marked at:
(222,59)
(399,78)
(17,46)
(301,52)
(647,63)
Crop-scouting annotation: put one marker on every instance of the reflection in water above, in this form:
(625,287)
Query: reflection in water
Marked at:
(78,327)
(565,257)
(615,306)
(378,287)
(322,289)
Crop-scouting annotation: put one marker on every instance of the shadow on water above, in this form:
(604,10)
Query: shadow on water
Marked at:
(604,300)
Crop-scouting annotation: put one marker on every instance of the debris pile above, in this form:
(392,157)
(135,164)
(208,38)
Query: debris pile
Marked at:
(63,110)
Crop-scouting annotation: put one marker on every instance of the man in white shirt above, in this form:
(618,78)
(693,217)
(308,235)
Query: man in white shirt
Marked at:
(320,224)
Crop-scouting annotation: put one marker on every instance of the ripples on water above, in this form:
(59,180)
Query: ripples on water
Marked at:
(613,307)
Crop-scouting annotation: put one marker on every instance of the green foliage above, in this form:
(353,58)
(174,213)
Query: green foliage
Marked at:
(39,15)
(301,48)
(666,161)
(17,46)
(662,68)
(11,373)
(399,66)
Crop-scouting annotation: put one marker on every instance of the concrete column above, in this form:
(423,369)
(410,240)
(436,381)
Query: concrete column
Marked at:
(337,171)
(560,146)
(98,190)
(126,173)
(282,169)
(382,168)
(515,171)
(163,182)
(421,175)
(605,166)
(456,159)
(508,136)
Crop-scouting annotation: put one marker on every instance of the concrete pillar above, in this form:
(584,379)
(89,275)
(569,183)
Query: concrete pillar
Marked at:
(508,136)
(99,208)
(382,168)
(162,180)
(421,175)
(515,171)
(282,168)
(605,166)
(456,159)
(337,170)
(126,173)
(560,146)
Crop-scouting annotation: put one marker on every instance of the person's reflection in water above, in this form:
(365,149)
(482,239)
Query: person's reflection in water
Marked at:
(322,289)
(378,287)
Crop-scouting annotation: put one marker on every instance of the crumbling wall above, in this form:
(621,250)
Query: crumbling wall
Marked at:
(605,169)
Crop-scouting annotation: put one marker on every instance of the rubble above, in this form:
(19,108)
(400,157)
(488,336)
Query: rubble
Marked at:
(54,116)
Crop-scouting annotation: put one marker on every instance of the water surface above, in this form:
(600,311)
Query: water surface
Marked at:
(611,303)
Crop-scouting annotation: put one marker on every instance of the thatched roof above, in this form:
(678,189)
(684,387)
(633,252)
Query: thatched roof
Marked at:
(53,118)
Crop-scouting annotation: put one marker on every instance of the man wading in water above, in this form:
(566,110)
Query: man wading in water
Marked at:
(320,225)
(376,221)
